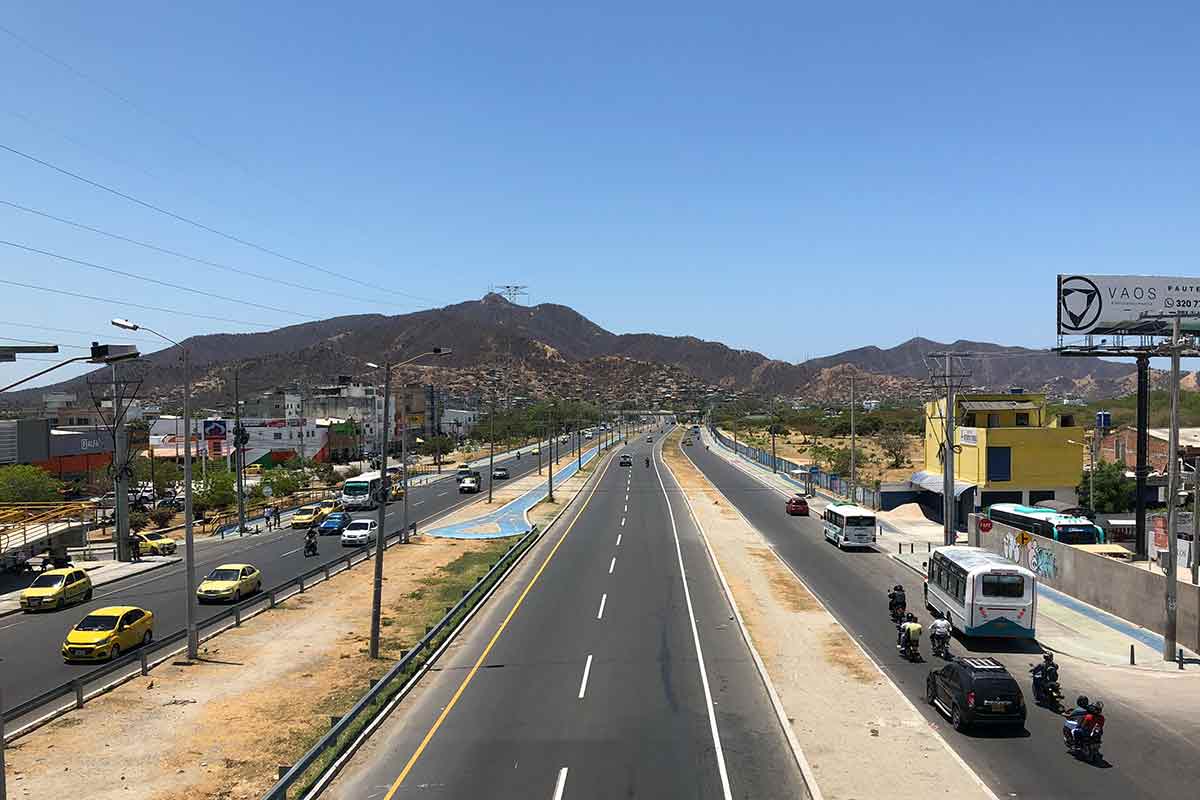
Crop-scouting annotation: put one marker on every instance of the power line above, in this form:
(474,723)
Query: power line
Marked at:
(110,301)
(201,225)
(195,259)
(34,341)
(148,279)
(11,324)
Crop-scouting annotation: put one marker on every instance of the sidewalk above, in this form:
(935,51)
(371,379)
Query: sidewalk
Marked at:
(1066,625)
(101,573)
(512,518)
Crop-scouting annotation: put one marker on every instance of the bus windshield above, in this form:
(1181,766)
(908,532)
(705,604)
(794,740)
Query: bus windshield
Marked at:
(1076,534)
(356,489)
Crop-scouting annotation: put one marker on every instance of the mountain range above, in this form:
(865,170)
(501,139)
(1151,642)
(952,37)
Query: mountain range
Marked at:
(552,349)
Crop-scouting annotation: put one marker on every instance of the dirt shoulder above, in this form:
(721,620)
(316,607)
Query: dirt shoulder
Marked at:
(858,744)
(258,696)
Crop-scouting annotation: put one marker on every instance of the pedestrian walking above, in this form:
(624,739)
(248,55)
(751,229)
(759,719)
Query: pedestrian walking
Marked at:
(135,553)
(267,516)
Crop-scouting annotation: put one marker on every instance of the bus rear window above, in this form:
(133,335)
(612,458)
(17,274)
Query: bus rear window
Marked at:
(860,522)
(1003,586)
(1077,534)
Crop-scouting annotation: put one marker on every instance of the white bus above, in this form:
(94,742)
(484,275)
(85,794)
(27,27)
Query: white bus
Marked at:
(848,524)
(361,492)
(981,593)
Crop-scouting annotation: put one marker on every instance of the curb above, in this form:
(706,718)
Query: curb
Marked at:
(98,584)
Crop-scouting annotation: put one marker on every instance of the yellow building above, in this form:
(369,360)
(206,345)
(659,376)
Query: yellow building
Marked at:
(1008,449)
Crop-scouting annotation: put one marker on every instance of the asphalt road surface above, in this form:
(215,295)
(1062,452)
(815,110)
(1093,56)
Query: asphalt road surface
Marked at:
(582,678)
(30,661)
(1146,755)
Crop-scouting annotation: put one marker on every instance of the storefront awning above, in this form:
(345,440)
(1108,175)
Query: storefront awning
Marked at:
(932,482)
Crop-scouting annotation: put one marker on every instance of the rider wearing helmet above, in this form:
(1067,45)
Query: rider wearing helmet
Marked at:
(896,600)
(1093,720)
(910,632)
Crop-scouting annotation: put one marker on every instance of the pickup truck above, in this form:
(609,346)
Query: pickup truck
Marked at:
(468,485)
(464,474)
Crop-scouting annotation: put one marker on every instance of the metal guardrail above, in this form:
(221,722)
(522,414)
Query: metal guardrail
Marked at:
(138,662)
(342,734)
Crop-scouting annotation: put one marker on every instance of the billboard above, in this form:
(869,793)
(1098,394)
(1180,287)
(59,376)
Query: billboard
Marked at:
(215,428)
(1095,305)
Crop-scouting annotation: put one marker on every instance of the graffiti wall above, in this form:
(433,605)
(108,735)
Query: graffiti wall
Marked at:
(1041,560)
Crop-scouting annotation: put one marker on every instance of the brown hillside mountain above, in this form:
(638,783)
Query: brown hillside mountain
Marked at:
(549,340)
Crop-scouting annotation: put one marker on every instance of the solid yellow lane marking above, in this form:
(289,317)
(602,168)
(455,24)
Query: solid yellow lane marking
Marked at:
(496,636)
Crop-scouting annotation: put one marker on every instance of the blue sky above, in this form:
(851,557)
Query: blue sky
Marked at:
(792,178)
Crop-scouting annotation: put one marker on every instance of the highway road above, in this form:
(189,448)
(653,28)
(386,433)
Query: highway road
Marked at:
(30,662)
(1148,754)
(609,665)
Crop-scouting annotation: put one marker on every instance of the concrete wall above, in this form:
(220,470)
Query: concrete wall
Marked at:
(1128,592)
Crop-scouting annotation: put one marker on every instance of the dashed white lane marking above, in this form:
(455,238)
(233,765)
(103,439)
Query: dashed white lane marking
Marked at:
(560,784)
(603,600)
(612,564)
(622,522)
(626,509)
(618,540)
(289,552)
(418,502)
(440,494)
(587,668)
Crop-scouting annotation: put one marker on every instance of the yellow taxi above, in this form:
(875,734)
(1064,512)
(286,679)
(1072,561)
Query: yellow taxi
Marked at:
(327,507)
(229,582)
(254,469)
(107,632)
(155,544)
(307,516)
(57,588)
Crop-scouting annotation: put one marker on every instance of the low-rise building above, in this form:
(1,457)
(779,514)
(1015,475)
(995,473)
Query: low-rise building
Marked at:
(1008,449)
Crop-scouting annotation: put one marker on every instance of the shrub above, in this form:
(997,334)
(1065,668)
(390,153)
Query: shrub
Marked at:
(162,517)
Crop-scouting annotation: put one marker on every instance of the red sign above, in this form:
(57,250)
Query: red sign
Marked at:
(985,525)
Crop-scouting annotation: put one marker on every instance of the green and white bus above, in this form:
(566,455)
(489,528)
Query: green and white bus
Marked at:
(848,524)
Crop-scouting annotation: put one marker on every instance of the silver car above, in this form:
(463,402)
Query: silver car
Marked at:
(360,532)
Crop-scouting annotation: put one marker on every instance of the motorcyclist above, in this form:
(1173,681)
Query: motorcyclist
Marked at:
(939,631)
(1093,720)
(1044,674)
(910,633)
(647,461)
(897,604)
(310,541)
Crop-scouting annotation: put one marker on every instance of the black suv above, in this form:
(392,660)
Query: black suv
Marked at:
(976,691)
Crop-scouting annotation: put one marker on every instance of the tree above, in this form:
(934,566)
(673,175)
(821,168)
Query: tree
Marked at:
(138,520)
(162,516)
(437,444)
(218,491)
(22,483)
(822,454)
(894,444)
(283,482)
(841,460)
(1114,492)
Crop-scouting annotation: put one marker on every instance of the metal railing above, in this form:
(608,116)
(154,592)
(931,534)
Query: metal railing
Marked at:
(23,524)
(36,711)
(302,776)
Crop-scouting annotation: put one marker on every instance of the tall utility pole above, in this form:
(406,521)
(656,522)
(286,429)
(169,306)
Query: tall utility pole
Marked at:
(239,437)
(384,493)
(1169,630)
(492,445)
(1195,561)
(552,426)
(121,476)
(950,525)
(853,440)
(1141,470)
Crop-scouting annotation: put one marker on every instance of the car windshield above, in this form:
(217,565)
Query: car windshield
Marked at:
(154,536)
(47,581)
(356,489)
(97,622)
(224,575)
(308,510)
(361,525)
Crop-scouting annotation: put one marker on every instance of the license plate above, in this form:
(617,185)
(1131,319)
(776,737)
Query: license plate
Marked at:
(997,705)
(78,651)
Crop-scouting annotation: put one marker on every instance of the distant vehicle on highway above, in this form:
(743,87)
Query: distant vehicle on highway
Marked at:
(229,582)
(360,532)
(500,473)
(334,524)
(848,524)
(327,507)
(797,506)
(107,632)
(688,442)
(976,691)
(626,460)
(56,589)
(649,438)
(537,451)
(468,486)
(155,544)
(254,469)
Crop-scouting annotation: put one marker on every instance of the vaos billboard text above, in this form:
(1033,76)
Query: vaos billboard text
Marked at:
(1091,305)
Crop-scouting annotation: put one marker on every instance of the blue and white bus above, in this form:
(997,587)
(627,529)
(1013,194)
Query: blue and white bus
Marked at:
(981,593)
(1047,522)
(848,524)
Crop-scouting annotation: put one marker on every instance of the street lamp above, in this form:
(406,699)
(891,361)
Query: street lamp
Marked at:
(189,548)
(377,595)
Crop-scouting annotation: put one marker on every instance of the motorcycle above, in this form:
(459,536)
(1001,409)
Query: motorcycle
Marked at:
(940,646)
(647,462)
(310,547)
(1087,746)
(910,650)
(1046,689)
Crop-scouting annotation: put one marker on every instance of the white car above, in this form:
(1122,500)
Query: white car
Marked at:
(360,532)
(500,473)
(468,486)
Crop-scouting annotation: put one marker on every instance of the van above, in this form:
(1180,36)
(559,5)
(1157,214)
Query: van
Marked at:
(254,469)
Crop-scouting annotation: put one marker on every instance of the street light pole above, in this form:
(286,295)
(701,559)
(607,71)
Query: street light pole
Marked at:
(189,546)
(1169,629)
(238,456)
(377,588)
